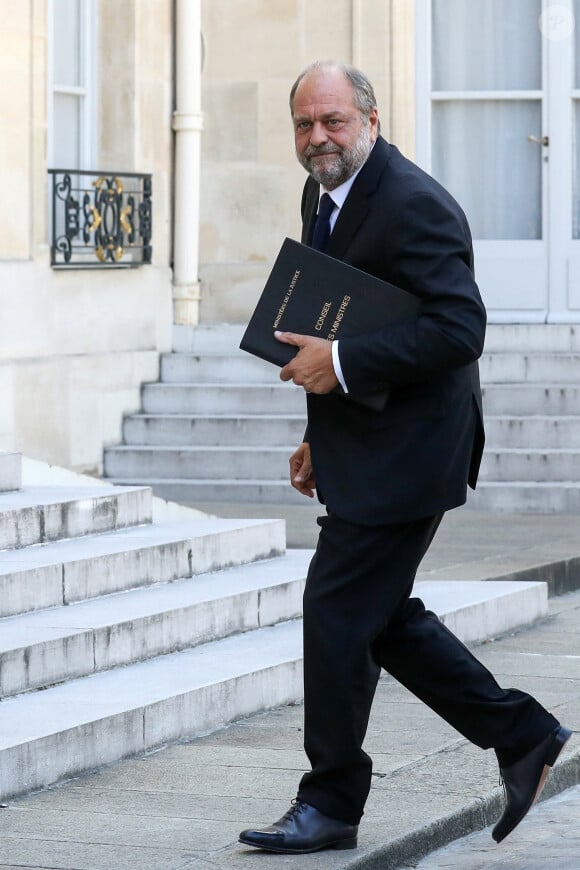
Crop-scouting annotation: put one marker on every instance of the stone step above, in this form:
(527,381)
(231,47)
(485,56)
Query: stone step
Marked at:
(10,471)
(552,337)
(173,430)
(242,463)
(530,399)
(495,367)
(226,337)
(208,338)
(536,431)
(527,497)
(533,465)
(477,610)
(63,572)
(206,399)
(200,490)
(36,515)
(253,430)
(217,369)
(61,731)
(513,367)
(63,643)
(64,730)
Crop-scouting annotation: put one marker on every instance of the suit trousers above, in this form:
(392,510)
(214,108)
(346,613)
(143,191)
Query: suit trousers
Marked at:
(358,618)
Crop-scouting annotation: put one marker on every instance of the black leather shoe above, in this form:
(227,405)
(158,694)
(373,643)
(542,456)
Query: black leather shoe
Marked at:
(525,780)
(302,829)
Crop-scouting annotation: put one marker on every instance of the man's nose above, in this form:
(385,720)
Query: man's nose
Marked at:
(318,134)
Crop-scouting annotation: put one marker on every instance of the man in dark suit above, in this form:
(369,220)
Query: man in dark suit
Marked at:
(387,477)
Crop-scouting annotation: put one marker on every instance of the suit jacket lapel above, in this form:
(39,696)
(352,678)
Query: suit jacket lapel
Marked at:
(357,203)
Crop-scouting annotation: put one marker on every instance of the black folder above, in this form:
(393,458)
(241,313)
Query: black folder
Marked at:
(310,293)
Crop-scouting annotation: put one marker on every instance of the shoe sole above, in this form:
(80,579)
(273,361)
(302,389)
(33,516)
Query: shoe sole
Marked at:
(339,844)
(561,737)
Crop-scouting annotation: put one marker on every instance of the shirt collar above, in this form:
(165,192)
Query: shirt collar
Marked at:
(340,193)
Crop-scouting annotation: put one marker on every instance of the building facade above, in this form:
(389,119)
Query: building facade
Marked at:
(484,94)
(251,180)
(175,224)
(87,86)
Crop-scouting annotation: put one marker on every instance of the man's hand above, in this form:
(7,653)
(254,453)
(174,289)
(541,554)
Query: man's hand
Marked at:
(312,366)
(301,476)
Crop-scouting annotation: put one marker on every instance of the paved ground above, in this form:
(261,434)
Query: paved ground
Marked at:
(181,808)
(548,840)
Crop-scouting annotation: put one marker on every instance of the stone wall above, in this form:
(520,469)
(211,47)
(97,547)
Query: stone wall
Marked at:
(251,181)
(75,346)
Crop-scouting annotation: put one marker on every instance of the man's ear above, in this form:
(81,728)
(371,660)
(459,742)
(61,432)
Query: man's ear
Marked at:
(374,124)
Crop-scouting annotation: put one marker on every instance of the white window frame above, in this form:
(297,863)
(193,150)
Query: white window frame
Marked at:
(87,92)
(560,261)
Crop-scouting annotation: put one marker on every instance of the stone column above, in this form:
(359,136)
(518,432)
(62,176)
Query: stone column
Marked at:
(402,102)
(187,124)
(383,45)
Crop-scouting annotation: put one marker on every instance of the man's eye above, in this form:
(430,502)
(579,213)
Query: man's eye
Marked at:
(334,122)
(303,125)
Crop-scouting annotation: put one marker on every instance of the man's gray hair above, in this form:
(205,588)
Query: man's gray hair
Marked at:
(364,95)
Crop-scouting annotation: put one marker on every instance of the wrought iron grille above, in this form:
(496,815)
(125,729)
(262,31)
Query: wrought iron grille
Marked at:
(100,220)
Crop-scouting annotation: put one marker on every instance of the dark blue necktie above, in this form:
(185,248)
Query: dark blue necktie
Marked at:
(321,232)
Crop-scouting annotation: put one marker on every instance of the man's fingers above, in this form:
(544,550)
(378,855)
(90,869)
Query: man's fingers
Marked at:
(312,366)
(291,338)
(304,485)
(301,472)
(287,373)
(302,475)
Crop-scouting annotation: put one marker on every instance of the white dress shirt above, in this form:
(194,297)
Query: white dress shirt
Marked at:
(338,196)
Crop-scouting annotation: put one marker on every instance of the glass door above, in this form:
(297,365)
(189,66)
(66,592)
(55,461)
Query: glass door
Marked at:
(572,146)
(495,83)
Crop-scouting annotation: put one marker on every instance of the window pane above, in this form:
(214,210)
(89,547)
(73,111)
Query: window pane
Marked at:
(66,127)
(67,42)
(486,45)
(481,154)
(576,172)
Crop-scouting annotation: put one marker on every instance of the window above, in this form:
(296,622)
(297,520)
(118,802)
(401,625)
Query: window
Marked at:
(72,43)
(486,95)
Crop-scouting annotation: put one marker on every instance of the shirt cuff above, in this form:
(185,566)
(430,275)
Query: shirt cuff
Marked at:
(337,367)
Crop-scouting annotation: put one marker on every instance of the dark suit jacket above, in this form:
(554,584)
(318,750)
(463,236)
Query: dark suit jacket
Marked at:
(417,456)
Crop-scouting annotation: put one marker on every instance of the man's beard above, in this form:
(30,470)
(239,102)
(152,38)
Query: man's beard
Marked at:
(343,164)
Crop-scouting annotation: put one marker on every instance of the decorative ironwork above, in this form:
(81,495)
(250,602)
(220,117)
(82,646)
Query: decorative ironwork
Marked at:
(100,219)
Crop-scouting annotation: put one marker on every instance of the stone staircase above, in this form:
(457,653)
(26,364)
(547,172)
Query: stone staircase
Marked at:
(531,393)
(119,633)
(220,426)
